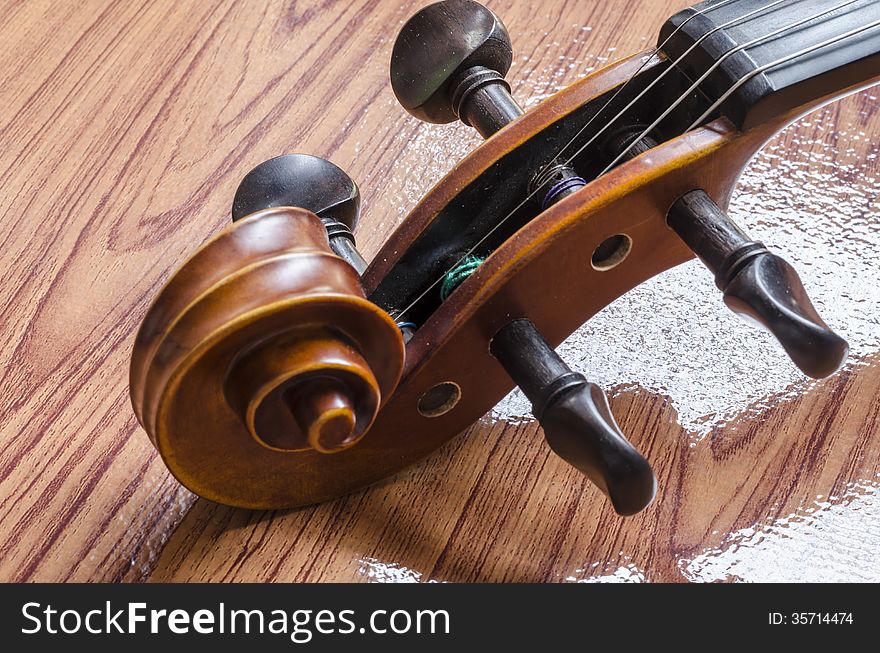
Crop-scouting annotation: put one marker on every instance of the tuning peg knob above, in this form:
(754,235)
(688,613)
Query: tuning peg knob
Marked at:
(768,290)
(311,183)
(449,62)
(576,418)
(758,284)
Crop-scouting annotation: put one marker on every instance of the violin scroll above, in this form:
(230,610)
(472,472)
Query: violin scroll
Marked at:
(262,351)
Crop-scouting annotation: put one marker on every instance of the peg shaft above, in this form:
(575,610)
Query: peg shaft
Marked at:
(482,100)
(576,417)
(716,239)
(758,284)
(344,245)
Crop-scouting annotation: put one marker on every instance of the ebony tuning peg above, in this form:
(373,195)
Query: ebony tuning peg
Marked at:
(449,63)
(758,284)
(575,417)
(310,183)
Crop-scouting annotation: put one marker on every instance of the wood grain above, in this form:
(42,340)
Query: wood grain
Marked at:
(125,131)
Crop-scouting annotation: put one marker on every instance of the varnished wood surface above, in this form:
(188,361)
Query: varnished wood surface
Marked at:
(125,131)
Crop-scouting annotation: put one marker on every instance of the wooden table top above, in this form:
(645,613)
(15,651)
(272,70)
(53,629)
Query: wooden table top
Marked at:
(125,130)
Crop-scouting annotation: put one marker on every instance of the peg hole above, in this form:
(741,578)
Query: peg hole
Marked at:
(611,252)
(439,400)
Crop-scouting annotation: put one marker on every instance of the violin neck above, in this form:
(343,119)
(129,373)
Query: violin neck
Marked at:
(768,61)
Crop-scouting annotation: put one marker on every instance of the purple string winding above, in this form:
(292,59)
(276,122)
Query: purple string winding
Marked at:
(561,187)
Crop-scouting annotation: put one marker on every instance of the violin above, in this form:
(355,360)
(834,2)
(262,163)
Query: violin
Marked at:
(277,368)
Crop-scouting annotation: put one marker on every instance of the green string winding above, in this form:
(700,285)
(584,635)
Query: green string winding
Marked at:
(457,275)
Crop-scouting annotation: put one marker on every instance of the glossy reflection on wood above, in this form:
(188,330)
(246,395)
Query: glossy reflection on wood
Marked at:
(193,95)
(488,524)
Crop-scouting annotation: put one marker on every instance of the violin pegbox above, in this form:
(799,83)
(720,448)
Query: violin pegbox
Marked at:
(449,61)
(262,349)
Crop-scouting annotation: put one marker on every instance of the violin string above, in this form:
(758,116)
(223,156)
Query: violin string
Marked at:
(662,75)
(675,63)
(620,90)
(530,196)
(534,193)
(719,62)
(781,62)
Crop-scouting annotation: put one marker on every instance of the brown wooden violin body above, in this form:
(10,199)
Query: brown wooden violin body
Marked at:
(236,369)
